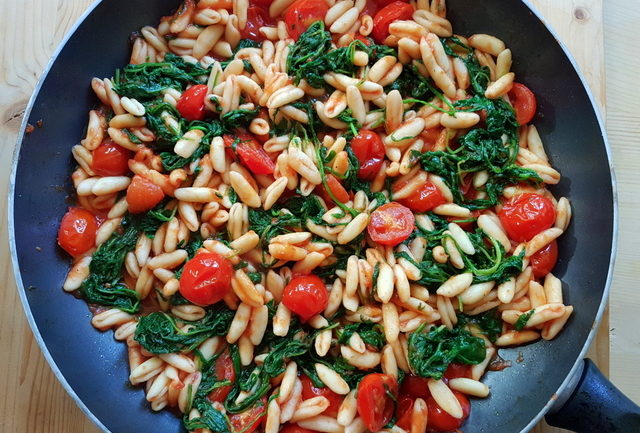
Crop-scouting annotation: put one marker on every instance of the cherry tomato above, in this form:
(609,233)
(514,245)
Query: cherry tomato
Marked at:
(191,103)
(524,102)
(425,198)
(256,17)
(376,395)
(544,260)
(456,371)
(309,390)
(110,159)
(403,412)
(206,278)
(415,386)
(526,215)
(77,232)
(295,428)
(431,136)
(142,194)
(251,153)
(262,3)
(224,370)
(365,40)
(306,296)
(336,188)
(395,11)
(249,420)
(383,3)
(302,13)
(391,224)
(367,146)
(441,420)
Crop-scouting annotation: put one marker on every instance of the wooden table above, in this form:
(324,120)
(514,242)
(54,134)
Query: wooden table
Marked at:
(31,399)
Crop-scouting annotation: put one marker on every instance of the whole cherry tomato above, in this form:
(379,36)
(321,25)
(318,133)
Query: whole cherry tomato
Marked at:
(377,394)
(77,232)
(415,386)
(302,13)
(336,188)
(191,103)
(256,17)
(440,420)
(224,370)
(306,296)
(391,224)
(250,419)
(544,260)
(110,159)
(206,279)
(526,215)
(143,195)
(368,148)
(426,197)
(309,390)
(395,11)
(524,102)
(251,153)
(456,371)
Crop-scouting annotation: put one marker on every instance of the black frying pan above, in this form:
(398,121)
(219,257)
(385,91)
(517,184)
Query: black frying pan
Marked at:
(93,367)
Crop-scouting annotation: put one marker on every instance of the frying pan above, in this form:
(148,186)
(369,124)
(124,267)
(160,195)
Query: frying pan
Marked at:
(93,367)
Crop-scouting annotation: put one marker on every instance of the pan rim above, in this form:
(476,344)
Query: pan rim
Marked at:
(564,388)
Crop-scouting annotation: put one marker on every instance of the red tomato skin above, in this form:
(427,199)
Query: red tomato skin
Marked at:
(256,17)
(295,428)
(440,420)
(336,188)
(383,3)
(309,390)
(456,371)
(110,159)
(368,148)
(365,40)
(415,387)
(302,13)
(306,296)
(251,153)
(395,11)
(391,224)
(224,370)
(206,279)
(262,3)
(143,195)
(426,197)
(544,260)
(191,103)
(77,231)
(403,412)
(374,405)
(526,215)
(249,420)
(524,102)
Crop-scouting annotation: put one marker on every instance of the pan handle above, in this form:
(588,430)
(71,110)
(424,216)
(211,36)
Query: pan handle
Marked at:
(596,406)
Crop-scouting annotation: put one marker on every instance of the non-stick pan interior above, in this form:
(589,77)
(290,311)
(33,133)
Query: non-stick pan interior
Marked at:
(95,366)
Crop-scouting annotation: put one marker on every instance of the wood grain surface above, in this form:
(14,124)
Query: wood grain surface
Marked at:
(32,400)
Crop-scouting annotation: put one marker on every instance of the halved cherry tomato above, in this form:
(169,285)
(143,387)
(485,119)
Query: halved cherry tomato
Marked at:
(395,11)
(309,390)
(262,3)
(110,159)
(224,370)
(377,393)
(456,371)
(524,102)
(256,17)
(403,412)
(142,194)
(391,224)
(191,103)
(295,428)
(440,420)
(336,188)
(77,232)
(426,197)
(251,153)
(206,278)
(526,215)
(306,296)
(544,260)
(249,420)
(368,148)
(302,13)
(415,386)
(383,3)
